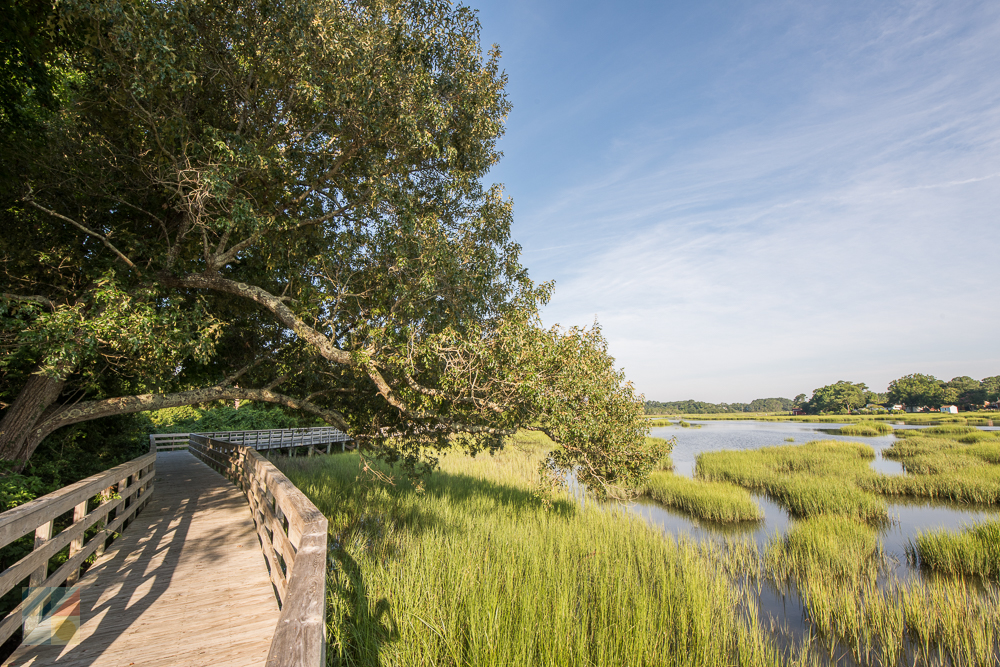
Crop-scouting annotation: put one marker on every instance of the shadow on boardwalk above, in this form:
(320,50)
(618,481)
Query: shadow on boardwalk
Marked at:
(185,584)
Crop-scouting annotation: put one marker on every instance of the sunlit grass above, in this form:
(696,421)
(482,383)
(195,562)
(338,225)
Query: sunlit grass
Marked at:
(826,546)
(866,428)
(714,501)
(941,467)
(475,569)
(859,608)
(817,478)
(975,550)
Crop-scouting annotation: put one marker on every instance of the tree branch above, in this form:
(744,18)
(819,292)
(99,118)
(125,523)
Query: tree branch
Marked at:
(269,301)
(37,299)
(87,230)
(87,410)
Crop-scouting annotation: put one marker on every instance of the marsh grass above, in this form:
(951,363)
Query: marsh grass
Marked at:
(942,467)
(935,431)
(474,569)
(980,418)
(859,607)
(712,501)
(828,546)
(866,428)
(975,550)
(817,478)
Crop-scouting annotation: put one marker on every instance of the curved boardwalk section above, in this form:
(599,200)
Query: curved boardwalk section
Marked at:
(186,584)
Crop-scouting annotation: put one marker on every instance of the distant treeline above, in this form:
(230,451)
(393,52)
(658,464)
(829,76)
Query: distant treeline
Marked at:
(691,407)
(913,391)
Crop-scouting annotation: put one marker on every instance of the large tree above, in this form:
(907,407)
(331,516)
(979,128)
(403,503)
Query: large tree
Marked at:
(917,390)
(841,396)
(285,203)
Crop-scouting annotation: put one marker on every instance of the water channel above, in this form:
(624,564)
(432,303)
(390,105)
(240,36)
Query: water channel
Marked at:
(907,518)
(783,608)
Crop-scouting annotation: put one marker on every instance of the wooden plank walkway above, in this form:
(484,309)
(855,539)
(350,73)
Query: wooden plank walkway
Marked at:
(185,585)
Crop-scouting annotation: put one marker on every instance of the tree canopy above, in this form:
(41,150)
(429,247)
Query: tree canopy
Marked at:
(841,396)
(917,390)
(285,203)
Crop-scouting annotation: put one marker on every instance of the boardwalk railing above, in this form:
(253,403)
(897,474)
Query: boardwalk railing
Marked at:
(292,534)
(106,501)
(287,438)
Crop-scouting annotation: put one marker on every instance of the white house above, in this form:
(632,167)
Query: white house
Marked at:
(949,408)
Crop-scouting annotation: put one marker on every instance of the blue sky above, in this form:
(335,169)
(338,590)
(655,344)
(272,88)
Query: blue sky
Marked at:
(757,199)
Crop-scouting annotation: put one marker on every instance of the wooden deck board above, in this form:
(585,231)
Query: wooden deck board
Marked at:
(186,584)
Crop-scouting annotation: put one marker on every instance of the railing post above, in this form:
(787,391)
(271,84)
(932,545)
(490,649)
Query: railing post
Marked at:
(42,535)
(105,498)
(79,512)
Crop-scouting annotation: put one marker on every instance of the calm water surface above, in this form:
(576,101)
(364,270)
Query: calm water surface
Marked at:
(781,607)
(907,518)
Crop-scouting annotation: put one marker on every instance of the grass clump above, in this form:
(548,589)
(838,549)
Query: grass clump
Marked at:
(974,550)
(830,546)
(942,468)
(866,429)
(817,478)
(712,501)
(857,607)
(472,568)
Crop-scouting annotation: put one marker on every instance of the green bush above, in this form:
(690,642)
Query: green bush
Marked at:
(227,418)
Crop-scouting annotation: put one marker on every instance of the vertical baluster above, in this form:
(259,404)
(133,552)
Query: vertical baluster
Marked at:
(42,535)
(79,512)
(105,498)
(122,486)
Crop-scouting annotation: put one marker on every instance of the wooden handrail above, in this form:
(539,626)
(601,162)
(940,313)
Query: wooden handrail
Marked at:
(122,490)
(264,439)
(293,537)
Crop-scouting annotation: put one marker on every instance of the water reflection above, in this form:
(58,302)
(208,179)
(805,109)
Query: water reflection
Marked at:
(907,518)
(779,606)
(722,435)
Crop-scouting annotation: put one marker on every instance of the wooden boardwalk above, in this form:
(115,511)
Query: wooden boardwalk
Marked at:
(185,585)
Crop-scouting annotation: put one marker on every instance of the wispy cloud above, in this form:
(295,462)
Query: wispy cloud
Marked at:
(846,231)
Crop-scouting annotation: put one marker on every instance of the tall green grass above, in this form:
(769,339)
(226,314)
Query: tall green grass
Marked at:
(858,607)
(473,569)
(974,550)
(866,428)
(943,468)
(817,478)
(826,546)
(713,501)
(945,429)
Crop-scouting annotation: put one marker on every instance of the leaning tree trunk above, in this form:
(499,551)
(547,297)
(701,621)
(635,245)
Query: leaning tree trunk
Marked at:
(19,429)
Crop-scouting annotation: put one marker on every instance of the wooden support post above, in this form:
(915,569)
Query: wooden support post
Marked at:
(122,485)
(42,535)
(105,497)
(76,545)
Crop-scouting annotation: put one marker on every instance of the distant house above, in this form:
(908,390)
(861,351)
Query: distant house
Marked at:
(950,408)
(798,411)
(898,406)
